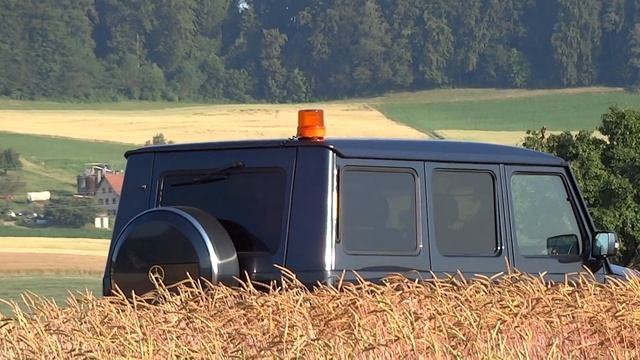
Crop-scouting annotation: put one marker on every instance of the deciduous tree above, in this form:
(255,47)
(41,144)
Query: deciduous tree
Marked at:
(608,172)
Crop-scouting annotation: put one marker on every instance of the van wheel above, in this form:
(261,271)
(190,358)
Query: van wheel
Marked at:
(169,245)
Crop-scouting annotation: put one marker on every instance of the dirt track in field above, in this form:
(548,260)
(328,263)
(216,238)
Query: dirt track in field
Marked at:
(202,123)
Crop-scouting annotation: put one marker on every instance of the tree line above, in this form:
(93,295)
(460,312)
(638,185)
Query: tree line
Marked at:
(298,50)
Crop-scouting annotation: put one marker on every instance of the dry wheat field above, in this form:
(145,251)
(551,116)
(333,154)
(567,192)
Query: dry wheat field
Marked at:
(24,255)
(516,316)
(201,123)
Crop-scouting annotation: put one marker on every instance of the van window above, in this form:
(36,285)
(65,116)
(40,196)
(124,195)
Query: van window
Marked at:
(248,203)
(378,210)
(464,212)
(545,224)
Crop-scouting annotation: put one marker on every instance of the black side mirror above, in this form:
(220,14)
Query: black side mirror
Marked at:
(605,244)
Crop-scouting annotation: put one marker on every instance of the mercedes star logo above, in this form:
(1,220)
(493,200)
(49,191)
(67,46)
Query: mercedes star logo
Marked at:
(156,274)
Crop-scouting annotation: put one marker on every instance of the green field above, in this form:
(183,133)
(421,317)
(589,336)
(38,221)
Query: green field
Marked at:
(52,232)
(62,156)
(51,163)
(502,110)
(52,286)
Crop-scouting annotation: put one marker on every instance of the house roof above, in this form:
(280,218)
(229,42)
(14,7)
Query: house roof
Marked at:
(115,180)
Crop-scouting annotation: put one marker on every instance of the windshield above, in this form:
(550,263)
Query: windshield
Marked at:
(249,203)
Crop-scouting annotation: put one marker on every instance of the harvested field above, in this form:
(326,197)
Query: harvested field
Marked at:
(70,246)
(201,123)
(46,255)
(41,263)
(516,316)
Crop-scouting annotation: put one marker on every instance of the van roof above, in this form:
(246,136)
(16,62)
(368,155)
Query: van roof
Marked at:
(428,150)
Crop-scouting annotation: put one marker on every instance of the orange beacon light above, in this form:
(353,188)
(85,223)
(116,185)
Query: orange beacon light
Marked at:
(311,124)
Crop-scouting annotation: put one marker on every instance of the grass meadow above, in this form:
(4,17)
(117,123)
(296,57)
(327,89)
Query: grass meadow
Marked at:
(63,158)
(52,163)
(496,110)
(53,232)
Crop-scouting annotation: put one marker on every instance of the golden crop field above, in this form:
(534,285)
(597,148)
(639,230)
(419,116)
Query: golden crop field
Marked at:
(201,123)
(58,255)
(513,317)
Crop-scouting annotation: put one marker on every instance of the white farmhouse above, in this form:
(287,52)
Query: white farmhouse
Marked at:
(108,193)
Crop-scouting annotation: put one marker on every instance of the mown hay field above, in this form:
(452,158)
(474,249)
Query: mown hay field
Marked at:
(514,317)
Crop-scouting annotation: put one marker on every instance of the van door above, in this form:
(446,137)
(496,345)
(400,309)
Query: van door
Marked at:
(547,229)
(466,222)
(380,227)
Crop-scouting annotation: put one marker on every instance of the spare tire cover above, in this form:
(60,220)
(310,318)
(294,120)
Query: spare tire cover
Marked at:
(170,244)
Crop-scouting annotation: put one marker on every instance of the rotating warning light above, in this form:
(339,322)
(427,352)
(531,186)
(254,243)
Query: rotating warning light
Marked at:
(311,124)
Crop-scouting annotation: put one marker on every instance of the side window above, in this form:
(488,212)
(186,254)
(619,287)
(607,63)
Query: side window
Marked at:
(378,211)
(464,212)
(545,224)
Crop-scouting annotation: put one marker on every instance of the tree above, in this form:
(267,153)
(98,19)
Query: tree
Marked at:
(272,72)
(437,50)
(608,173)
(576,41)
(158,139)
(350,46)
(70,212)
(10,160)
(634,55)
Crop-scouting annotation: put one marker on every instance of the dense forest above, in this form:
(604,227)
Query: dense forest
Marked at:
(298,50)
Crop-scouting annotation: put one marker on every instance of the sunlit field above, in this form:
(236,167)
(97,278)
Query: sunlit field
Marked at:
(517,317)
(502,116)
(201,123)
(50,267)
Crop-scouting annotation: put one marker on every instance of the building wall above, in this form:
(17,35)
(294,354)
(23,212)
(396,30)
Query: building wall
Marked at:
(107,200)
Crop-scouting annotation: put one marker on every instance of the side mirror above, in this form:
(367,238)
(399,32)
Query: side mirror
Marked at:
(605,244)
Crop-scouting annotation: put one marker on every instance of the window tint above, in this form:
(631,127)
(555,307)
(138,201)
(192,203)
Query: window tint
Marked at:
(464,212)
(249,204)
(378,211)
(544,221)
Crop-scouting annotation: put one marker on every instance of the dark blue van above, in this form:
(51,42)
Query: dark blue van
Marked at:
(318,207)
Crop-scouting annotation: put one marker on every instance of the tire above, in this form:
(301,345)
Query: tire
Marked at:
(170,244)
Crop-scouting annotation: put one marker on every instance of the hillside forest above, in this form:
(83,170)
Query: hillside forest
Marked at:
(299,50)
